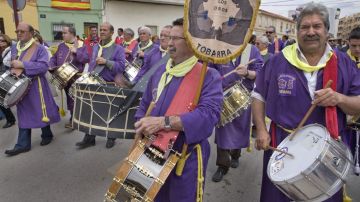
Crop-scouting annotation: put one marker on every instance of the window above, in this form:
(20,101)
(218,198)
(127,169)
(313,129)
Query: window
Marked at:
(154,29)
(57,30)
(2,27)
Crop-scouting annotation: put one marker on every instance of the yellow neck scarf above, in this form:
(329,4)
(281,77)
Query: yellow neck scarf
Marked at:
(145,47)
(353,58)
(178,70)
(127,43)
(264,52)
(105,46)
(291,56)
(27,45)
(71,45)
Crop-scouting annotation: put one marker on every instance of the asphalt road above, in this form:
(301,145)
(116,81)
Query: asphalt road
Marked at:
(59,172)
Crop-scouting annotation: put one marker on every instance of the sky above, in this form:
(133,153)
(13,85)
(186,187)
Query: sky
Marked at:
(282,7)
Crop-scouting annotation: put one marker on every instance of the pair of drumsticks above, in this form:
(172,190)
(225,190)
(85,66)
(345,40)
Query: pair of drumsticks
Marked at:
(237,68)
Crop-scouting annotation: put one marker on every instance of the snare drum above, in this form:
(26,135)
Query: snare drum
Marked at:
(353,122)
(130,72)
(236,100)
(319,167)
(13,88)
(86,79)
(62,75)
(141,175)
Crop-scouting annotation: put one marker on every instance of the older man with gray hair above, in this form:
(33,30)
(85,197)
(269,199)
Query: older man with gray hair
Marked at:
(293,80)
(262,43)
(145,54)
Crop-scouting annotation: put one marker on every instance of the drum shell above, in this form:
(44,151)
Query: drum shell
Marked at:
(63,75)
(323,178)
(96,105)
(140,176)
(236,100)
(13,89)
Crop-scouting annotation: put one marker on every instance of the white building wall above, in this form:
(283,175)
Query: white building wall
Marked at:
(126,14)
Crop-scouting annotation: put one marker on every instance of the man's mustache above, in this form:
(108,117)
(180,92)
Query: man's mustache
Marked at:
(311,38)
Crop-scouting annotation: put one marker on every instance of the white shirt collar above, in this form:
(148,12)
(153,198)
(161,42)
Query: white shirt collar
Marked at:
(322,60)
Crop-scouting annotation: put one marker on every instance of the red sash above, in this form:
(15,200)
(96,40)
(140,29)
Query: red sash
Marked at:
(331,73)
(181,103)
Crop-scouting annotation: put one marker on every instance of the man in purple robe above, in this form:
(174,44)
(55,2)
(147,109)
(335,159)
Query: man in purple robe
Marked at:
(276,45)
(195,127)
(292,80)
(108,59)
(235,135)
(37,109)
(70,51)
(145,54)
(354,46)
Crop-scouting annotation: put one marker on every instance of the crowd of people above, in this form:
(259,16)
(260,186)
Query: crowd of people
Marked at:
(304,60)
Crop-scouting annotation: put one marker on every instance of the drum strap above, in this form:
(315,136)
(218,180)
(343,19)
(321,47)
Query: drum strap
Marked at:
(181,103)
(330,73)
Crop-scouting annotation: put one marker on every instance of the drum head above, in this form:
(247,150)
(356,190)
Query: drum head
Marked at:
(306,147)
(17,91)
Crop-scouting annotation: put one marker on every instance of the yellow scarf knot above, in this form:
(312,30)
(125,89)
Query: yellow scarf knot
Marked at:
(291,56)
(27,45)
(178,70)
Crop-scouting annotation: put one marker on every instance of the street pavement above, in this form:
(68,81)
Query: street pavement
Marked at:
(59,172)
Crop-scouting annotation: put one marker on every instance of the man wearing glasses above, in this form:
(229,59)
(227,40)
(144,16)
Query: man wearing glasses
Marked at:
(37,109)
(193,127)
(276,45)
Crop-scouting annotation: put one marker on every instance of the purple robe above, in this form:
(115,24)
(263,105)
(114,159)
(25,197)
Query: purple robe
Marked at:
(78,59)
(198,126)
(115,56)
(151,57)
(29,110)
(271,47)
(287,104)
(236,135)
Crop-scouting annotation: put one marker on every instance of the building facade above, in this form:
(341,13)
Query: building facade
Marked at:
(53,19)
(283,25)
(346,24)
(7,23)
(135,13)
(158,13)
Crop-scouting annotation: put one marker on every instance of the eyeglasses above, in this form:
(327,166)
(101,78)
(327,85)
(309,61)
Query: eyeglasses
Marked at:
(268,32)
(20,31)
(176,38)
(332,40)
(1,40)
(164,37)
(257,43)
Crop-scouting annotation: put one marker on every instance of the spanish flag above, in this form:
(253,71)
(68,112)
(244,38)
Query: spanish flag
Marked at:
(71,4)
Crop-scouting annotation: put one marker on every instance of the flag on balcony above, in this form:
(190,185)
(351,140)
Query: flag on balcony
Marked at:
(71,4)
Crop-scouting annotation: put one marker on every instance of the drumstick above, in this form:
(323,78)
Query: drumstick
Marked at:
(251,61)
(308,113)
(281,151)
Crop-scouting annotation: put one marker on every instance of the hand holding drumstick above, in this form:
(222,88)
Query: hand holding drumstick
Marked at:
(242,70)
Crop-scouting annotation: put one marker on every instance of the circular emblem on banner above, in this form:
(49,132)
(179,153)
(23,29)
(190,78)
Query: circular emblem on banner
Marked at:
(219,30)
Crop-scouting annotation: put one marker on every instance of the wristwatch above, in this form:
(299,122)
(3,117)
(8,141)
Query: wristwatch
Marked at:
(167,122)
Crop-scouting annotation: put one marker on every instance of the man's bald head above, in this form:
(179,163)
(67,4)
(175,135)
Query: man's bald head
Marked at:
(24,32)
